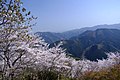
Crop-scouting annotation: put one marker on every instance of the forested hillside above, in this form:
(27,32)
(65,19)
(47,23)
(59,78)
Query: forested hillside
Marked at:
(93,45)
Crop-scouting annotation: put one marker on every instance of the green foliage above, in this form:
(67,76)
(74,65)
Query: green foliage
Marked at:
(31,74)
(47,75)
(12,12)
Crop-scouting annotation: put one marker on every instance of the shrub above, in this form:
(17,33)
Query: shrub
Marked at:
(112,73)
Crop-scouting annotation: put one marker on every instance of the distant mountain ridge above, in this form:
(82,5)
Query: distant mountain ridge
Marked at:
(93,44)
(51,37)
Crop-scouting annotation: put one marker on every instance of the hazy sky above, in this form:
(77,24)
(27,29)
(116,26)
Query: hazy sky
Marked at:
(63,15)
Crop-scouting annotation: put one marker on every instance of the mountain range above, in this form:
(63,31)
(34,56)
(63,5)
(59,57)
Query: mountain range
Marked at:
(87,43)
(51,37)
(93,45)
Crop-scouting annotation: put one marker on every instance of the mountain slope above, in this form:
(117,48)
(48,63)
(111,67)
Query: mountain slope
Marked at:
(51,37)
(93,44)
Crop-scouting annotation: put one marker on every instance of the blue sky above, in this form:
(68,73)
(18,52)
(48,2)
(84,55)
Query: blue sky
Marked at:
(63,15)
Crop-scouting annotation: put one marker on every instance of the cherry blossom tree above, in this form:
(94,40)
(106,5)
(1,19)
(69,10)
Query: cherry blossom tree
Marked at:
(14,27)
(20,50)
